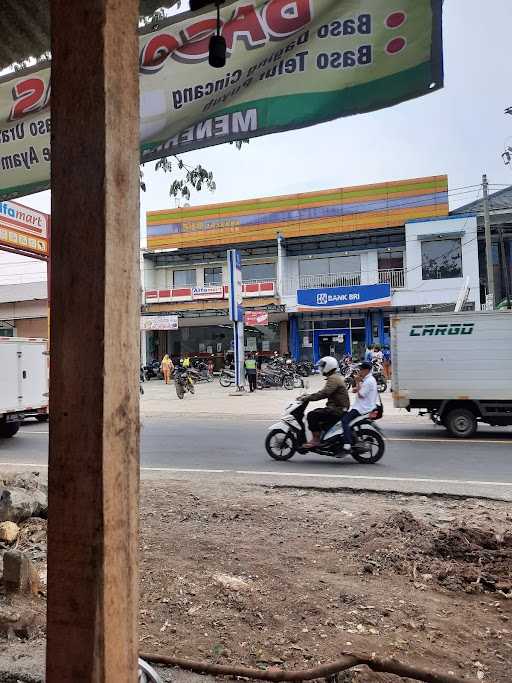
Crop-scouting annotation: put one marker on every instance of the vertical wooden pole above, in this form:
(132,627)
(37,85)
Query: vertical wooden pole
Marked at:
(94,428)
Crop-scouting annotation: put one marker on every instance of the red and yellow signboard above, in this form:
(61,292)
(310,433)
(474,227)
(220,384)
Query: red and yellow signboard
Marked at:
(23,229)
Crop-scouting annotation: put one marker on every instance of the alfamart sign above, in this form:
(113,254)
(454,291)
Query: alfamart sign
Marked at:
(291,63)
(23,229)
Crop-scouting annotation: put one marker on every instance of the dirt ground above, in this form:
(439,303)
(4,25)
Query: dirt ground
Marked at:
(292,578)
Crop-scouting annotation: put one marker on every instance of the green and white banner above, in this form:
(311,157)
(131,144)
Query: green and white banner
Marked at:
(290,64)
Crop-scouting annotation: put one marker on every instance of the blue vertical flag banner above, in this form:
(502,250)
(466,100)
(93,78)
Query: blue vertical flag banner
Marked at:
(236,313)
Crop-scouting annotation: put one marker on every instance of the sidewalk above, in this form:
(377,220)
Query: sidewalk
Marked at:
(212,400)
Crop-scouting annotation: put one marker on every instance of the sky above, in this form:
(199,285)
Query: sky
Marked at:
(460,130)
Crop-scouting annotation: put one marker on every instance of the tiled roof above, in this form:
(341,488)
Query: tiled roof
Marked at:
(499,201)
(25,27)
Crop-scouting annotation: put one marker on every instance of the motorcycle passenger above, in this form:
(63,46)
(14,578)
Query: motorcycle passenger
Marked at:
(337,397)
(367,398)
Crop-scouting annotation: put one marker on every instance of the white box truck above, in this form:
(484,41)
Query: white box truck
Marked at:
(456,367)
(23,382)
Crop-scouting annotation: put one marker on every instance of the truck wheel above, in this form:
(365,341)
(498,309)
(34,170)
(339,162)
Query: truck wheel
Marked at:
(461,423)
(8,429)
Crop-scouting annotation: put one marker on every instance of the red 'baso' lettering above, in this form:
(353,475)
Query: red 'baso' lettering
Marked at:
(246,24)
(197,39)
(284,17)
(29,95)
(156,51)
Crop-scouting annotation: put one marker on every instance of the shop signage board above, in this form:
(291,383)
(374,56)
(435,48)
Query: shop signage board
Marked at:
(290,64)
(23,229)
(334,298)
(336,210)
(256,318)
(158,322)
(207,292)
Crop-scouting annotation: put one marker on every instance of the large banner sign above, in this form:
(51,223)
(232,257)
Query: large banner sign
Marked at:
(291,63)
(333,298)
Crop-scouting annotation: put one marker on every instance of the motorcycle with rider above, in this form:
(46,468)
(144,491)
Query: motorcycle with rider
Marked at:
(337,430)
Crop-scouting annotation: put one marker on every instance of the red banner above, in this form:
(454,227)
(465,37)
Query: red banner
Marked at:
(256,318)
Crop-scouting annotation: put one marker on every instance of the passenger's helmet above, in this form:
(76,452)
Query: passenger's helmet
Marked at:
(328,364)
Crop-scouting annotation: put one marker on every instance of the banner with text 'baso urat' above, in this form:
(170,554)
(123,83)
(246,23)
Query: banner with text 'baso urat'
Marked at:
(290,64)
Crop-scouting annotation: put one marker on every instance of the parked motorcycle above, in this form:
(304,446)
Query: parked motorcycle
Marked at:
(203,374)
(226,377)
(274,378)
(183,381)
(288,436)
(152,371)
(382,383)
(304,368)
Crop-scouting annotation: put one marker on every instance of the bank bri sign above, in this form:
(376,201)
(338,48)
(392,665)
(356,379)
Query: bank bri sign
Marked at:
(333,298)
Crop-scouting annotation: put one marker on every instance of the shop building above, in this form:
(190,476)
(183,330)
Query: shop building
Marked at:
(328,268)
(500,213)
(24,310)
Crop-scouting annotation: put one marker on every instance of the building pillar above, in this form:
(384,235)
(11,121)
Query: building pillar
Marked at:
(95,308)
(283,337)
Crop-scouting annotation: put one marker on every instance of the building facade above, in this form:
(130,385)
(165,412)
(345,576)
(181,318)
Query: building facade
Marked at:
(24,310)
(327,268)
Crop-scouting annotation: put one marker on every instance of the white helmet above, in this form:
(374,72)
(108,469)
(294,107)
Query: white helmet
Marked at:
(328,364)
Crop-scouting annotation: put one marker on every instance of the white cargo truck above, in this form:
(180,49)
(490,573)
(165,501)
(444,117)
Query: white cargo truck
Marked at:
(456,367)
(23,382)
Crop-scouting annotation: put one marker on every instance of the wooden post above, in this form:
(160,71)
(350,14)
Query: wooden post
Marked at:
(94,415)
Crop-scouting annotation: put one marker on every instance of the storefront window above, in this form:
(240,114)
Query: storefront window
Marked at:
(184,278)
(391,260)
(259,271)
(212,276)
(345,264)
(441,259)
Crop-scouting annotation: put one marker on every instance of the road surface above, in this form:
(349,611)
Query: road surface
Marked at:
(419,457)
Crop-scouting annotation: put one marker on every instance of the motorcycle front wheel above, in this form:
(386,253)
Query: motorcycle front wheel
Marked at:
(179,390)
(298,382)
(382,385)
(225,380)
(289,382)
(280,445)
(374,446)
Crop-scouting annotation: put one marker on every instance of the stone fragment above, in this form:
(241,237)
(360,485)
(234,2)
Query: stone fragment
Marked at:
(9,532)
(20,575)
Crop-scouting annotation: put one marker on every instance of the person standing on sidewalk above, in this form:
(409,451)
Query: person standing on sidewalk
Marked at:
(250,371)
(167,368)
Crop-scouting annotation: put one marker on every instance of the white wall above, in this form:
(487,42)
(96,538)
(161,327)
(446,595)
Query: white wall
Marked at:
(420,292)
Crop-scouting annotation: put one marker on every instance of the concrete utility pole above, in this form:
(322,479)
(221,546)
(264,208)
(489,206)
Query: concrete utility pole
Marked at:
(488,242)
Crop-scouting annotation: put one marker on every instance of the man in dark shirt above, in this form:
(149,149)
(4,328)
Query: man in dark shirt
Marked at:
(338,401)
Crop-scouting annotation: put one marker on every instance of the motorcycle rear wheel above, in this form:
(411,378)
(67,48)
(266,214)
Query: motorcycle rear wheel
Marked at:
(377,447)
(280,445)
(179,390)
(225,380)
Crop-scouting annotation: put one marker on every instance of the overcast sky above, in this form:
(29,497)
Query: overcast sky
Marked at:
(460,130)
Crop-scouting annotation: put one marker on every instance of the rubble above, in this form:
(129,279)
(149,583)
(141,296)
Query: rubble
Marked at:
(22,497)
(9,532)
(19,573)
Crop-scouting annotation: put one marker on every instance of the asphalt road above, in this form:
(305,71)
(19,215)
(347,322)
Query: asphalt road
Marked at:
(419,457)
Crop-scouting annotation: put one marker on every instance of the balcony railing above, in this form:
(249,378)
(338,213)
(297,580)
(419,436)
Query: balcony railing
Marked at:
(396,278)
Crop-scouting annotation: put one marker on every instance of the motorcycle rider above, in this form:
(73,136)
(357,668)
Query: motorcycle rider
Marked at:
(337,397)
(367,397)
